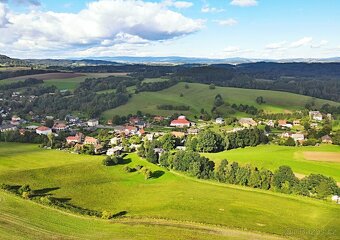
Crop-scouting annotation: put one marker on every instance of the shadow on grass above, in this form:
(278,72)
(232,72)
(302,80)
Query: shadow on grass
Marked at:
(125,161)
(62,200)
(44,192)
(120,214)
(157,174)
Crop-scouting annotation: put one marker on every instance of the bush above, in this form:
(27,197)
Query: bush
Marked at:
(106,215)
(24,188)
(147,173)
(138,167)
(129,169)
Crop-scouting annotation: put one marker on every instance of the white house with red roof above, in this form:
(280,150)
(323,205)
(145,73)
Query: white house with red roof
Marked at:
(91,141)
(181,122)
(43,130)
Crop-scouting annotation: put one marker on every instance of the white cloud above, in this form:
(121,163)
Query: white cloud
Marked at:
(207,9)
(178,4)
(101,22)
(231,49)
(227,22)
(244,3)
(3,15)
(301,42)
(277,45)
(320,44)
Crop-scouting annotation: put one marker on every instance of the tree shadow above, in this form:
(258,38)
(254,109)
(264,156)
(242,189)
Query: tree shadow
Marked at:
(124,161)
(44,191)
(119,214)
(63,200)
(157,174)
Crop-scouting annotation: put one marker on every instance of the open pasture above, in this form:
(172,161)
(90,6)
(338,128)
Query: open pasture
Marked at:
(199,96)
(85,182)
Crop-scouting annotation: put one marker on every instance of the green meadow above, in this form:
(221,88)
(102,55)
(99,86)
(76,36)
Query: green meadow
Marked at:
(199,96)
(273,156)
(67,82)
(171,197)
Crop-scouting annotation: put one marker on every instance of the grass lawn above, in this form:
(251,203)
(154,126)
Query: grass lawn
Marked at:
(199,96)
(60,81)
(273,156)
(22,219)
(85,182)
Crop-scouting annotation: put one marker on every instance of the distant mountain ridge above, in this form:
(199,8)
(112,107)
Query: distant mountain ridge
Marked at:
(95,61)
(7,61)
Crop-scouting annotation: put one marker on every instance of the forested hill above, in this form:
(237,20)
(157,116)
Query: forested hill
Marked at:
(7,61)
(321,80)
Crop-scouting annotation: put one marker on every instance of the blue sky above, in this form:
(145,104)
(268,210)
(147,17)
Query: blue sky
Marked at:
(197,28)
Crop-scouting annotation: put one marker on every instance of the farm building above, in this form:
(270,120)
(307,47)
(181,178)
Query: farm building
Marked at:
(42,130)
(247,122)
(91,141)
(114,151)
(219,121)
(92,123)
(181,122)
(326,139)
(315,115)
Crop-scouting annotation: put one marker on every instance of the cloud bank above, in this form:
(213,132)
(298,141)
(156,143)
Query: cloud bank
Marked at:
(101,23)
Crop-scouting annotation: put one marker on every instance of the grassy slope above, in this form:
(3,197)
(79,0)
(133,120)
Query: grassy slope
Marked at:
(63,83)
(200,96)
(273,156)
(20,219)
(89,184)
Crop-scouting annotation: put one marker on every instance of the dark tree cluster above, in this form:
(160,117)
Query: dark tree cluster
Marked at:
(12,74)
(246,108)
(28,82)
(172,107)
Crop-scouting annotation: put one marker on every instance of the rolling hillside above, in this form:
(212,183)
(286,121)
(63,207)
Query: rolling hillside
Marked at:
(199,96)
(85,182)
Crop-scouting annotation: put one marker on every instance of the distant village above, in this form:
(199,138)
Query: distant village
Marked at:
(95,137)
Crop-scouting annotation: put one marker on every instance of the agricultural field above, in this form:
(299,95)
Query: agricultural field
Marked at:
(65,80)
(199,96)
(324,159)
(167,203)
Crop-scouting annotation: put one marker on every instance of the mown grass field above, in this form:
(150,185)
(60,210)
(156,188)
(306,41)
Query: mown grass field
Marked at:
(199,96)
(62,81)
(83,181)
(273,156)
(20,219)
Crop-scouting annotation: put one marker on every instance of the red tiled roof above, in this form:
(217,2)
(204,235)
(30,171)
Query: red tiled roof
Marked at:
(43,128)
(180,122)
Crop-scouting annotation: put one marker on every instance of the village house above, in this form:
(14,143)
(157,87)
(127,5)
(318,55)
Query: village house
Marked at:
(130,130)
(9,127)
(59,126)
(158,118)
(134,120)
(296,122)
(43,130)
(15,120)
(219,121)
(141,132)
(285,135)
(149,136)
(326,139)
(315,115)
(75,139)
(180,122)
(178,134)
(193,131)
(247,122)
(140,124)
(91,141)
(71,119)
(284,123)
(115,141)
(93,123)
(270,123)
(115,151)
(298,137)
